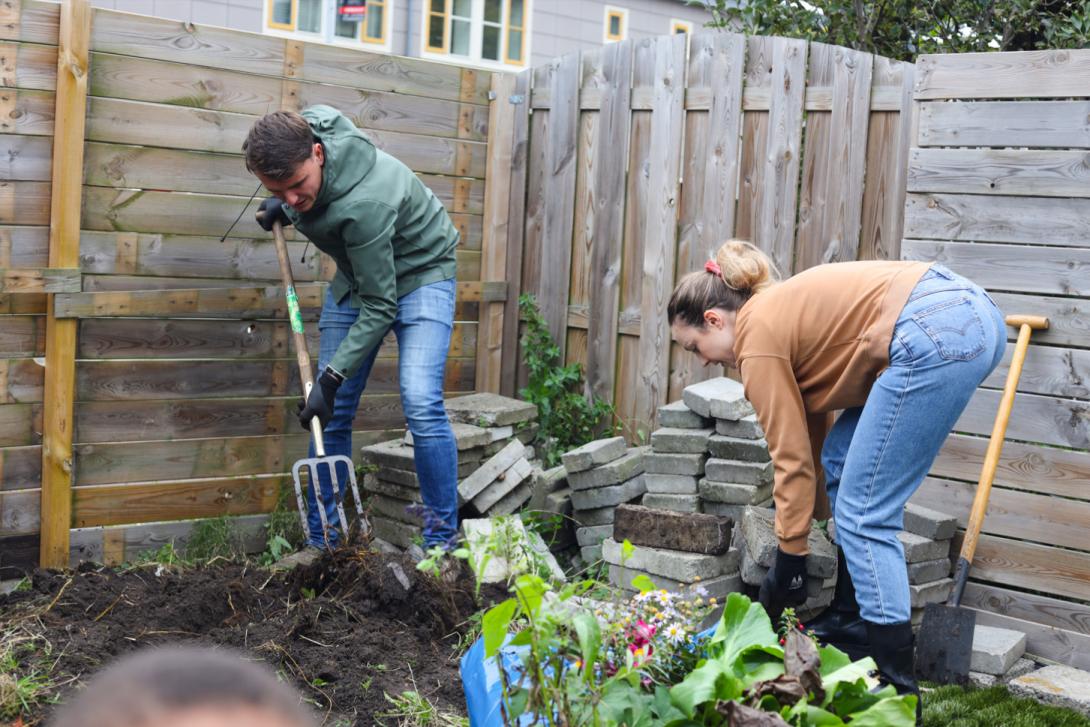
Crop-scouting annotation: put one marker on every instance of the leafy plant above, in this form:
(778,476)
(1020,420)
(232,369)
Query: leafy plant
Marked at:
(644,665)
(568,418)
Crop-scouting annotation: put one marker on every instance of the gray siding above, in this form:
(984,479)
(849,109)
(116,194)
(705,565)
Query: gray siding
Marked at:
(557,27)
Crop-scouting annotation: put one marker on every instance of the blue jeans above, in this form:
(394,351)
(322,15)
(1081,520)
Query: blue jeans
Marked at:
(425,318)
(948,338)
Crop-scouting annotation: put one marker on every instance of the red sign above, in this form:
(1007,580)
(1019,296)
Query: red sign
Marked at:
(351,9)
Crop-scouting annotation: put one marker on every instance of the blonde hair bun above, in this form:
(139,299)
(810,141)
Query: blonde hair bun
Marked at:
(744,267)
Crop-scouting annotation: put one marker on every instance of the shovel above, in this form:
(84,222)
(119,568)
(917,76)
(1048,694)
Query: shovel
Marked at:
(313,465)
(944,646)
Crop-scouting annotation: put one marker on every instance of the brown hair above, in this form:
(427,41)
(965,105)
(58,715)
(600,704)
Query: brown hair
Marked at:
(277,144)
(740,271)
(143,689)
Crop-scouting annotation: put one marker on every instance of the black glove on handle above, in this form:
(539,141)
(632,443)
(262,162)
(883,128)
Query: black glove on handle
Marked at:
(784,585)
(320,402)
(269,211)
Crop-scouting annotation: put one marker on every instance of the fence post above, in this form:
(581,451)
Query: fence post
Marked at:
(497,187)
(64,228)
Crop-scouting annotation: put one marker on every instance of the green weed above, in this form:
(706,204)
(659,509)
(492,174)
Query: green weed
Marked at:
(411,709)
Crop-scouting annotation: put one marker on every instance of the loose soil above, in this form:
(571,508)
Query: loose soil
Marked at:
(345,629)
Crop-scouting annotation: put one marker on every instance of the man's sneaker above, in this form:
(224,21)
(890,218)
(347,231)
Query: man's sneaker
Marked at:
(305,556)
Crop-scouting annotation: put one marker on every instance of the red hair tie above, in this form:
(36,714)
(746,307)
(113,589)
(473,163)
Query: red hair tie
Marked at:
(713,267)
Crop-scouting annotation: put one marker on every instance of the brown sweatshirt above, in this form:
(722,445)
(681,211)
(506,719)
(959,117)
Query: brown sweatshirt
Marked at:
(807,347)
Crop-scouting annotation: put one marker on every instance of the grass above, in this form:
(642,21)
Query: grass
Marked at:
(24,669)
(953,706)
(411,709)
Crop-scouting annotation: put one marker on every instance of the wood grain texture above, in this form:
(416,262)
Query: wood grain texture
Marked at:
(516,229)
(1016,172)
(660,248)
(119,544)
(1049,370)
(1054,571)
(1026,220)
(1005,123)
(606,192)
(1038,269)
(1035,418)
(21,468)
(27,112)
(1029,74)
(28,65)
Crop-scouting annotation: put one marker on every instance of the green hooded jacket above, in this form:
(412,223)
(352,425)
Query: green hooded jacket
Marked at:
(387,232)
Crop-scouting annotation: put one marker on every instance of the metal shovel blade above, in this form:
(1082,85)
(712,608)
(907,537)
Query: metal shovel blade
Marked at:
(944,646)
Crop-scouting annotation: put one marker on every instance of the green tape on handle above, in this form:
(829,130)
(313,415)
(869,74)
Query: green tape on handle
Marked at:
(294,314)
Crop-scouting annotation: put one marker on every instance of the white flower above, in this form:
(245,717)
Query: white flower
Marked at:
(675,633)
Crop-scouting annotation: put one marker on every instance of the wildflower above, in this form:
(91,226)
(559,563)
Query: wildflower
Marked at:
(675,633)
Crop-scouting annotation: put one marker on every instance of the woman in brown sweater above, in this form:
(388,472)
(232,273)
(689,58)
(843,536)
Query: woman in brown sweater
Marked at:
(898,348)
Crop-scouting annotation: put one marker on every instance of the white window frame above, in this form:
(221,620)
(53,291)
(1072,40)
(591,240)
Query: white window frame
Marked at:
(676,23)
(328,27)
(606,13)
(476,37)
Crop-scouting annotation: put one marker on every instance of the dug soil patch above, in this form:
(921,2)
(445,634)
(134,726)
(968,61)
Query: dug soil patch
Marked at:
(346,630)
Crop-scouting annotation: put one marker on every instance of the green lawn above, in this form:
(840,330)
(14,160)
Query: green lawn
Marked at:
(953,706)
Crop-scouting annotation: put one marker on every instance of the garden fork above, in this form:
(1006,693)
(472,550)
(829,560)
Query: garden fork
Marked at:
(313,465)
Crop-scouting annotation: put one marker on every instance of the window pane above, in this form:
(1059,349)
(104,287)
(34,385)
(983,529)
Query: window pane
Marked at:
(438,6)
(514,46)
(435,31)
(493,11)
(680,30)
(310,16)
(462,8)
(490,43)
(281,12)
(516,13)
(459,37)
(345,29)
(614,25)
(374,22)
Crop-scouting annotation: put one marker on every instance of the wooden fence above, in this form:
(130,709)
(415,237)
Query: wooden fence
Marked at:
(151,358)
(998,191)
(632,163)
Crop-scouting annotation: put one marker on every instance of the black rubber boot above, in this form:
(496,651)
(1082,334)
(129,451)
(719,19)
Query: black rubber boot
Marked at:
(893,651)
(840,625)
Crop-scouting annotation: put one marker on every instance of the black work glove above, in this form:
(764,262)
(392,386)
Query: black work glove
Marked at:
(784,585)
(320,402)
(269,211)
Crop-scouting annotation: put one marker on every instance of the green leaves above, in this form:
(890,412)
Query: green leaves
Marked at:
(643,583)
(590,640)
(494,625)
(744,625)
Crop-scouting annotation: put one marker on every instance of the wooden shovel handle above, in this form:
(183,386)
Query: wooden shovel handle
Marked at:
(295,319)
(1026,325)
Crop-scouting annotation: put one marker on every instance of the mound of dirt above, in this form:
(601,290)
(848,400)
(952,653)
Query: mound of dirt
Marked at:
(346,630)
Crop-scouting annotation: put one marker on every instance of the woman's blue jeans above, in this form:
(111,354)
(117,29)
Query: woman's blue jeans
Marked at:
(949,337)
(425,319)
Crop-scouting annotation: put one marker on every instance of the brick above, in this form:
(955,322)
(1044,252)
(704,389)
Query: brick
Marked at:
(719,587)
(395,509)
(610,495)
(558,502)
(473,485)
(996,650)
(929,523)
(742,450)
(918,548)
(392,489)
(489,410)
(466,436)
(732,494)
(721,398)
(498,434)
(513,501)
(928,570)
(759,535)
(921,594)
(526,432)
(400,534)
(671,484)
(722,509)
(744,428)
(689,532)
(675,564)
(978,680)
(752,572)
(543,482)
(591,554)
(674,464)
(594,453)
(409,478)
(1020,667)
(502,485)
(1060,686)
(393,453)
(679,416)
(611,473)
(680,441)
(595,516)
(593,536)
(739,473)
(677,503)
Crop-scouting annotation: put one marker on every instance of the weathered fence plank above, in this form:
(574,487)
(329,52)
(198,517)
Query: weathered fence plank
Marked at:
(1035,418)
(1005,123)
(1052,173)
(1049,270)
(1041,568)
(1039,74)
(1027,220)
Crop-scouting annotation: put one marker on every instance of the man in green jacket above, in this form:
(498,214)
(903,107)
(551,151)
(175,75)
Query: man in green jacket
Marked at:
(394,245)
